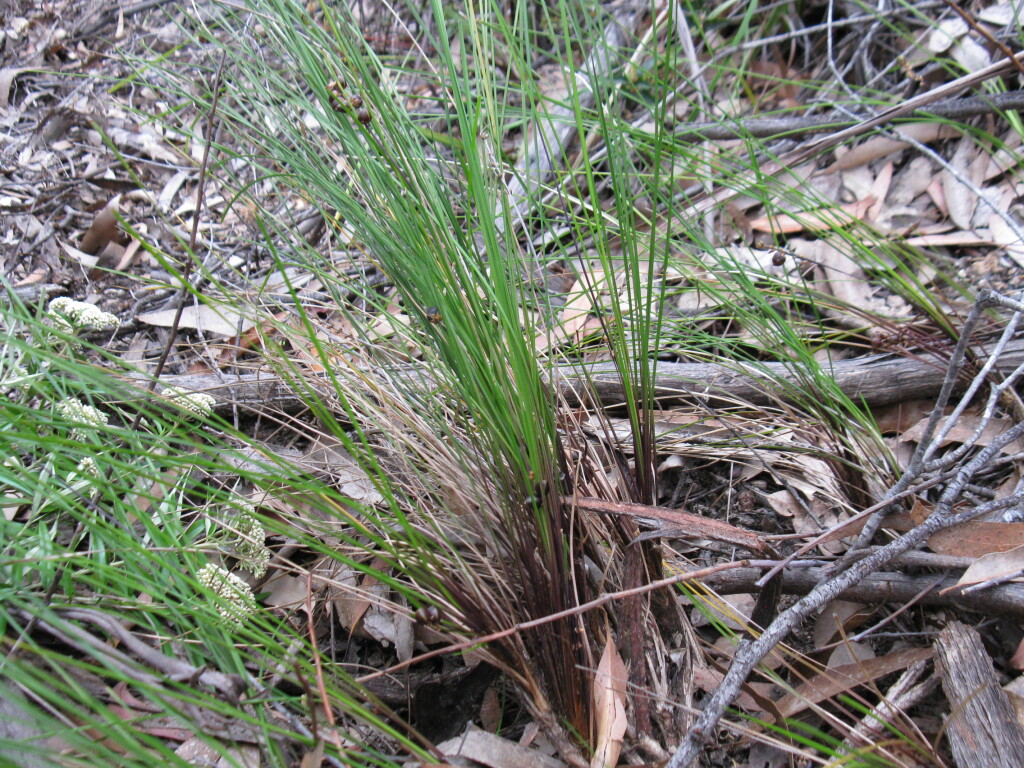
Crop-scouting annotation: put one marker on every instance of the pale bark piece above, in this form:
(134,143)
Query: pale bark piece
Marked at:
(983,731)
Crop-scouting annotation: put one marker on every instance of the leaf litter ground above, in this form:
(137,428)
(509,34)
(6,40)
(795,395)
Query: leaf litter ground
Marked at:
(82,157)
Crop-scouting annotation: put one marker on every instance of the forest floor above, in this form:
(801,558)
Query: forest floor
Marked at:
(89,154)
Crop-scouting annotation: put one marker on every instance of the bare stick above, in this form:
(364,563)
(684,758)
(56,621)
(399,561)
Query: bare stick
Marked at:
(889,586)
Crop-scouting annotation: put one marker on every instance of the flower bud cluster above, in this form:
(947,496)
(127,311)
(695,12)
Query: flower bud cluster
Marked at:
(86,469)
(238,600)
(79,413)
(72,316)
(250,547)
(197,403)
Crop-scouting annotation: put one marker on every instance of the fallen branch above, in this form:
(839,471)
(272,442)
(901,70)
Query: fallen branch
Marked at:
(108,14)
(874,381)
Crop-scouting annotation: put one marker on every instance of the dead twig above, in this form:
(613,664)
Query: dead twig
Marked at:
(186,272)
(110,14)
(811,149)
(677,522)
(929,442)
(751,653)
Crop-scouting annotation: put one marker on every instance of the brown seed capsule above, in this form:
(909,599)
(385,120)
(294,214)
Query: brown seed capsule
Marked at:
(336,92)
(363,117)
(428,614)
(778,258)
(356,101)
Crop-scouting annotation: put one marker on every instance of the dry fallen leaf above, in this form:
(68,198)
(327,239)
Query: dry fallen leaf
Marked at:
(850,652)
(977,538)
(831,682)
(220,321)
(7,75)
(495,752)
(103,229)
(609,706)
(946,33)
(286,591)
(732,611)
(880,146)
(823,219)
(996,565)
(1002,232)
(753,698)
(969,163)
(575,313)
(967,429)
(836,617)
(1015,688)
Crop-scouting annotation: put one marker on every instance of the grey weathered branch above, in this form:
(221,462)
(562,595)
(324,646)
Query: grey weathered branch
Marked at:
(874,380)
(229,686)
